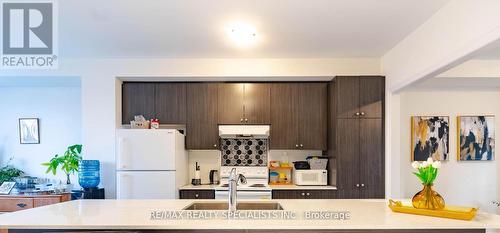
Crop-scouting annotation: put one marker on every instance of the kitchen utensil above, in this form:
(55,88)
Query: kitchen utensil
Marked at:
(214,177)
(197,171)
(301,165)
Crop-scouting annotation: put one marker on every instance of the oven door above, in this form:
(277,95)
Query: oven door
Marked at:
(245,194)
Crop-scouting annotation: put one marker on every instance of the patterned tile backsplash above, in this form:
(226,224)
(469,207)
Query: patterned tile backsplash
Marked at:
(244,152)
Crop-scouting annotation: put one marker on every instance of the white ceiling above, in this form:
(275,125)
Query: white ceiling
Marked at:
(195,28)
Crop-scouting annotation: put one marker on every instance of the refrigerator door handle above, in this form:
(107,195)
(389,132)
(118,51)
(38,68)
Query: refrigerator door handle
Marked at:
(123,186)
(121,161)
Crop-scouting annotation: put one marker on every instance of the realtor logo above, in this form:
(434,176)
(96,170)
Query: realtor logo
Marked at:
(28,35)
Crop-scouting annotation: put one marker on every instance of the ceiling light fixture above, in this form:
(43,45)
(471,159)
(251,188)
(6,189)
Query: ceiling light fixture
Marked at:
(243,35)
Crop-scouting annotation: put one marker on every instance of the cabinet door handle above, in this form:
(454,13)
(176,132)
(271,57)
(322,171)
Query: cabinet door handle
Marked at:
(197,195)
(246,119)
(215,145)
(301,146)
(362,185)
(357,114)
(296,145)
(308,194)
(357,185)
(22,205)
(241,120)
(362,113)
(303,194)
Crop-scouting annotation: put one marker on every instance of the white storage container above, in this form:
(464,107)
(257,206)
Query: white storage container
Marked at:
(317,163)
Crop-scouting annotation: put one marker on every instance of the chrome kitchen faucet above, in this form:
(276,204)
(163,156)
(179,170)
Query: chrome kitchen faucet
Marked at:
(233,185)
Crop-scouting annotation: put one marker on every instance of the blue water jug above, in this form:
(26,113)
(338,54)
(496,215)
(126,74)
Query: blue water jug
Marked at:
(89,173)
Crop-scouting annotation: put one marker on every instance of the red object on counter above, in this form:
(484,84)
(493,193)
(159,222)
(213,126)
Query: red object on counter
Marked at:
(155,123)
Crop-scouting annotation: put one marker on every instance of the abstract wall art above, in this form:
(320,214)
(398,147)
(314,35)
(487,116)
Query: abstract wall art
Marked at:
(430,137)
(476,138)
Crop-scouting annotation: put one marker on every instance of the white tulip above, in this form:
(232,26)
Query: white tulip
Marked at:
(436,164)
(415,164)
(424,164)
(430,161)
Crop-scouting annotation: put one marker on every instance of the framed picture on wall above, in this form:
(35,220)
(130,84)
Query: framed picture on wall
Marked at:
(28,131)
(430,138)
(476,138)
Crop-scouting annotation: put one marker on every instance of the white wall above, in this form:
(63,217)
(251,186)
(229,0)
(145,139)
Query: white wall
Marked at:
(59,111)
(461,183)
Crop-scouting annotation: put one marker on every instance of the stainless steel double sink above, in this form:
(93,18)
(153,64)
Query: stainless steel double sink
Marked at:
(239,206)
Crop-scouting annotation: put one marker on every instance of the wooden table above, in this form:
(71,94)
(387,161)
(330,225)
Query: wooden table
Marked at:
(10,203)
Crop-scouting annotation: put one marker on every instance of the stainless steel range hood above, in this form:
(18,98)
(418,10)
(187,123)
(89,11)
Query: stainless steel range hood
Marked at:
(248,131)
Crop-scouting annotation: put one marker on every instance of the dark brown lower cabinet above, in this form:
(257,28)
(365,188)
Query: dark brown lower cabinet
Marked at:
(360,158)
(372,159)
(304,194)
(197,194)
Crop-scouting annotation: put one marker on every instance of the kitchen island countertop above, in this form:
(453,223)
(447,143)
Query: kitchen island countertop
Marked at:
(136,214)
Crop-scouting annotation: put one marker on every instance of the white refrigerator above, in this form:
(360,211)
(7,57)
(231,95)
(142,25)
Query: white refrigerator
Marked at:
(150,164)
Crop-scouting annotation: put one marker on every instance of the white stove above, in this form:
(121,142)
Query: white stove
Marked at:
(256,187)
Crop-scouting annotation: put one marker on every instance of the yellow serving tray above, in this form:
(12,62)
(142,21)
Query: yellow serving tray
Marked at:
(454,212)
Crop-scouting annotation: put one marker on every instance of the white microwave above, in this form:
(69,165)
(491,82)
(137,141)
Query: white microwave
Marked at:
(310,177)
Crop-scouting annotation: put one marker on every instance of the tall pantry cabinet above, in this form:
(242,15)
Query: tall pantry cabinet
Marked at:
(357,115)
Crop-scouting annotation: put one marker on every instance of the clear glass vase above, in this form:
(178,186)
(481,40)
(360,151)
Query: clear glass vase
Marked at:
(428,199)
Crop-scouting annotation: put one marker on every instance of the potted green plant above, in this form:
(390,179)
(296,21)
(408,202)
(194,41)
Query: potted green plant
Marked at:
(69,162)
(8,172)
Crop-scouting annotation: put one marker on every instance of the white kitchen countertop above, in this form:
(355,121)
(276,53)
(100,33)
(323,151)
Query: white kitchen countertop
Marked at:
(198,187)
(277,187)
(136,214)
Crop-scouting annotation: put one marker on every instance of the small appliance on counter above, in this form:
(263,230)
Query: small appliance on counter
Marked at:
(310,177)
(214,177)
(197,179)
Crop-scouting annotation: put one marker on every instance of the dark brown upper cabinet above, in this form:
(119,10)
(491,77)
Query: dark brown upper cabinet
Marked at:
(170,103)
(371,96)
(257,103)
(230,103)
(360,96)
(244,103)
(312,100)
(299,116)
(201,127)
(137,99)
(284,116)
